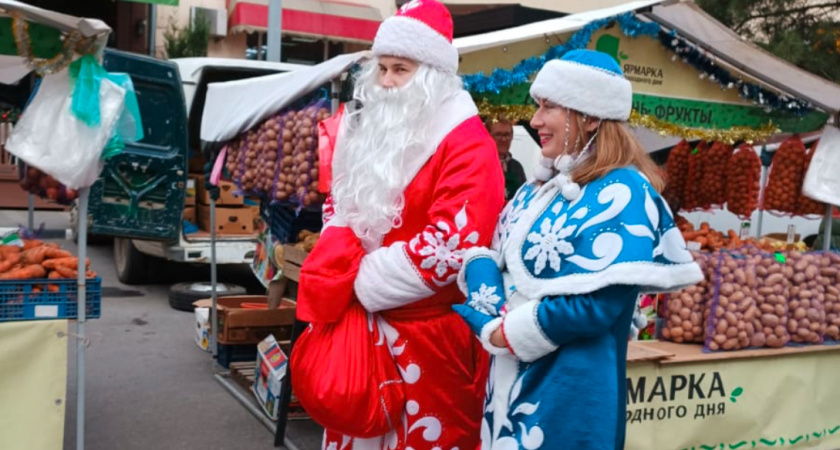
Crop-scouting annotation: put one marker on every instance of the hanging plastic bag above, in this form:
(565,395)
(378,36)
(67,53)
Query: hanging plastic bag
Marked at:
(50,136)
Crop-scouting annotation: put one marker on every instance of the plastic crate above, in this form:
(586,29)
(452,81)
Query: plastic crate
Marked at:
(19,302)
(235,353)
(285,222)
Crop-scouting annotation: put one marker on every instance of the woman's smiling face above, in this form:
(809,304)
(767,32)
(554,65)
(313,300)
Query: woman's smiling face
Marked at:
(551,122)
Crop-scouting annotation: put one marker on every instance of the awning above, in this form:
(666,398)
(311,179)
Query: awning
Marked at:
(701,29)
(340,21)
(562,25)
(563,6)
(156,2)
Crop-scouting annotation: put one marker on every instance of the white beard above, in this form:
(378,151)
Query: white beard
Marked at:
(372,164)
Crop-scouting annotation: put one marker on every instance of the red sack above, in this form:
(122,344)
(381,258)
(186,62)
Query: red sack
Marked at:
(345,377)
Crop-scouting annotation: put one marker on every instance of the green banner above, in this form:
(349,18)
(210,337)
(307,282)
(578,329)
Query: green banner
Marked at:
(699,114)
(156,2)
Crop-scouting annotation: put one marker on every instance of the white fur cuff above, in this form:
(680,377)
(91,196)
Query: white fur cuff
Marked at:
(410,38)
(387,279)
(597,93)
(476,252)
(524,334)
(486,332)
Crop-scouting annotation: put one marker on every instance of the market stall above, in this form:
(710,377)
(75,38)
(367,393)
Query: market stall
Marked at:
(745,359)
(43,286)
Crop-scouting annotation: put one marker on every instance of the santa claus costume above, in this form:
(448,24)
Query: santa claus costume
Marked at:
(560,282)
(417,179)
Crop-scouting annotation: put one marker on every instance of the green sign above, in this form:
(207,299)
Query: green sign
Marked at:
(156,2)
(699,114)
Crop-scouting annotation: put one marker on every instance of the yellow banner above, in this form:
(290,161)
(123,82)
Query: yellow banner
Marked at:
(780,402)
(33,384)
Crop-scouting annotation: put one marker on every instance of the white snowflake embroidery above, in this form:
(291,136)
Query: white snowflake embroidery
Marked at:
(485,300)
(441,250)
(550,243)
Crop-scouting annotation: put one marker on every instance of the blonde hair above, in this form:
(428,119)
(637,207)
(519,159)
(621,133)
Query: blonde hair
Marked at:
(614,148)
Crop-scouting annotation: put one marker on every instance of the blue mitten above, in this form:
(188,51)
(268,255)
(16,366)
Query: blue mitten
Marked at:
(481,281)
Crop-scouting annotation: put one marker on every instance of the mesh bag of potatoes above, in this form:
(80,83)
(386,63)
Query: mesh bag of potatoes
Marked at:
(812,274)
(733,309)
(685,310)
(832,298)
(771,297)
(278,160)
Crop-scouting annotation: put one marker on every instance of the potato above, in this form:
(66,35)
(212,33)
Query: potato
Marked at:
(686,307)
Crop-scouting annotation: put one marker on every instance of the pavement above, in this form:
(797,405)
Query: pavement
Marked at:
(148,386)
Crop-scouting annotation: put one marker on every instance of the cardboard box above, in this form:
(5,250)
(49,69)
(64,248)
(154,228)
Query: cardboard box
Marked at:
(191,214)
(240,322)
(228,220)
(202,328)
(227,193)
(268,376)
(189,199)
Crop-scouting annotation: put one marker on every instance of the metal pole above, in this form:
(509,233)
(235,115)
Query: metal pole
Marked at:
(152,29)
(259,46)
(275,30)
(81,308)
(336,90)
(214,313)
(326,49)
(761,188)
(31,223)
(829,209)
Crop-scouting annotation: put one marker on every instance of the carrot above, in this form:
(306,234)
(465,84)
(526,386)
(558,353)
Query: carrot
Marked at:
(37,255)
(11,261)
(66,272)
(70,261)
(6,250)
(25,273)
(90,274)
(53,287)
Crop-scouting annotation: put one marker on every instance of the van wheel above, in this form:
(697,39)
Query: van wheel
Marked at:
(130,263)
(182,295)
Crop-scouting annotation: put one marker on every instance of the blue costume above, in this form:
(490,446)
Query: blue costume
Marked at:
(561,281)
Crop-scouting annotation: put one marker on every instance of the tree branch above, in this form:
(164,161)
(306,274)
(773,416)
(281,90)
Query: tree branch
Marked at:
(782,12)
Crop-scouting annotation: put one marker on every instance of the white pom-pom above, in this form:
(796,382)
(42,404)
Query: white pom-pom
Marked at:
(571,191)
(546,162)
(564,164)
(543,173)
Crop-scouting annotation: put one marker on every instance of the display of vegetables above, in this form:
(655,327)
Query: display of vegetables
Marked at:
(38,183)
(278,160)
(38,260)
(743,182)
(784,183)
(710,239)
(751,298)
(805,205)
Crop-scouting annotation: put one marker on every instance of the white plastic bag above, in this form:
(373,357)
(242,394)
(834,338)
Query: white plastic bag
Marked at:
(50,137)
(822,182)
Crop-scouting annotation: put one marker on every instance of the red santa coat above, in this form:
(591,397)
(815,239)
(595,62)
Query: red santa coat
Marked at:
(452,204)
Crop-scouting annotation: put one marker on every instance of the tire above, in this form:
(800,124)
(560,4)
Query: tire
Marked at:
(182,295)
(131,265)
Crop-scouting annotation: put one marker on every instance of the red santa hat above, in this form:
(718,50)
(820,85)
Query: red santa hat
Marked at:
(421,31)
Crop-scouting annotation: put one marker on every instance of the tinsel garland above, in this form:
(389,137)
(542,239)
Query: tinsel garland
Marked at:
(512,113)
(499,79)
(730,135)
(74,44)
(520,113)
(691,54)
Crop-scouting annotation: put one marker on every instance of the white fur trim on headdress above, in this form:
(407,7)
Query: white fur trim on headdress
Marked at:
(410,38)
(587,89)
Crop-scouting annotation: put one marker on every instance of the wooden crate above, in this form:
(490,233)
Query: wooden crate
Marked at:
(292,260)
